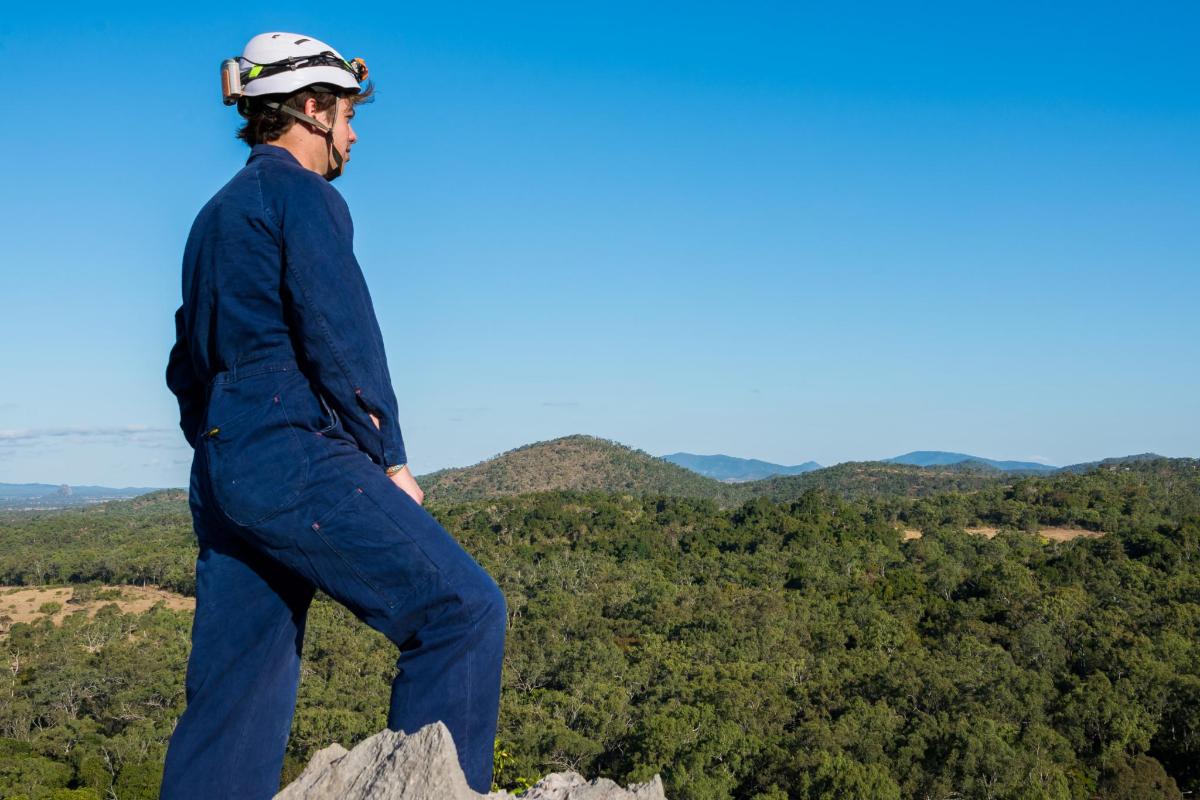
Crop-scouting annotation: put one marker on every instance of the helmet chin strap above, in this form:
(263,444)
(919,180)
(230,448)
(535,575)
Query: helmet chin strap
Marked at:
(334,159)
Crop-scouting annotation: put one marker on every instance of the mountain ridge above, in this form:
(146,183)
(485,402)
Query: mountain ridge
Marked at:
(942,458)
(590,463)
(733,469)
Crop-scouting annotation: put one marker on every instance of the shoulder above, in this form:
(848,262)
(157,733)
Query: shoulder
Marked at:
(289,191)
(238,199)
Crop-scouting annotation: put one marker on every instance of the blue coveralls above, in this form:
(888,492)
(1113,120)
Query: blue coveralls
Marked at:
(277,362)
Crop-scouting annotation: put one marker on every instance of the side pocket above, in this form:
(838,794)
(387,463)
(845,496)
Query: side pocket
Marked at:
(256,462)
(370,408)
(370,550)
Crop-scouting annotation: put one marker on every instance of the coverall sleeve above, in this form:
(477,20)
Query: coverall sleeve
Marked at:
(183,383)
(333,320)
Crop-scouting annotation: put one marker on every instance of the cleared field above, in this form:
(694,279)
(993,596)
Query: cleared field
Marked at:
(1067,534)
(1052,534)
(985,532)
(22,603)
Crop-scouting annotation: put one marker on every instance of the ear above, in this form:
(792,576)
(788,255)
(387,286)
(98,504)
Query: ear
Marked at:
(310,107)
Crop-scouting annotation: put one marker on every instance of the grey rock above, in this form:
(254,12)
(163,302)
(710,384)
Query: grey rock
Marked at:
(387,766)
(392,765)
(573,786)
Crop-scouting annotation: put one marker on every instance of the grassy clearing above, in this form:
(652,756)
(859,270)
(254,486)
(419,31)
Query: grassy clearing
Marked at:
(26,603)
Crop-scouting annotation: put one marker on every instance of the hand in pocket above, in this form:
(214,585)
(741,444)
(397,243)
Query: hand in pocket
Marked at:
(404,478)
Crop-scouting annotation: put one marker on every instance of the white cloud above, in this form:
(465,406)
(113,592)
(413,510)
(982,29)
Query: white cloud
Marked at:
(145,435)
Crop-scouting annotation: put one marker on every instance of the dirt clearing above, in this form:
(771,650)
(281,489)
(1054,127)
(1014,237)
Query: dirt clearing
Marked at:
(1067,534)
(1051,534)
(29,603)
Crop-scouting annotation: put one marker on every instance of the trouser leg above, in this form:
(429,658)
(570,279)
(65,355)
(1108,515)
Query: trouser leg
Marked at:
(243,670)
(372,548)
(451,671)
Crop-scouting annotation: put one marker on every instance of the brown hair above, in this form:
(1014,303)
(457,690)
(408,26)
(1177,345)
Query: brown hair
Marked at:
(265,124)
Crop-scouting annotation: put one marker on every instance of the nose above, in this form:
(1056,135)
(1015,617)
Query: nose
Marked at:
(353,136)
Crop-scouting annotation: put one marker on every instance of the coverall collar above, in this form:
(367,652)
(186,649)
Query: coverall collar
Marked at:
(272,151)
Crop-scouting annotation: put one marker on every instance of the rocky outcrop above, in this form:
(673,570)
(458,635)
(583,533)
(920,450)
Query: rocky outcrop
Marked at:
(573,786)
(392,765)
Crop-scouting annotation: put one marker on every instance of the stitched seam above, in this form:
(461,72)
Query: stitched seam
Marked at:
(303,483)
(322,324)
(263,368)
(332,512)
(239,750)
(262,200)
(215,473)
(324,327)
(234,375)
(386,600)
(411,538)
(467,735)
(320,317)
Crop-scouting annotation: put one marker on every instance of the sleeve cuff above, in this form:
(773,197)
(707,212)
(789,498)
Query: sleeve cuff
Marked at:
(394,455)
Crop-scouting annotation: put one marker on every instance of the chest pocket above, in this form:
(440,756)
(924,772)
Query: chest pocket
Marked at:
(257,465)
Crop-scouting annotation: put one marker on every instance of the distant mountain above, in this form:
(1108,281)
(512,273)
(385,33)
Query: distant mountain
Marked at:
(49,495)
(941,458)
(589,463)
(736,470)
(860,479)
(573,462)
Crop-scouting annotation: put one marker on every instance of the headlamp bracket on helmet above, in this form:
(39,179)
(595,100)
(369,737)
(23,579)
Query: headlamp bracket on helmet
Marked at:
(234,78)
(231,83)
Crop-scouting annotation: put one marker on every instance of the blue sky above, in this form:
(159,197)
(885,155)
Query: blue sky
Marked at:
(790,232)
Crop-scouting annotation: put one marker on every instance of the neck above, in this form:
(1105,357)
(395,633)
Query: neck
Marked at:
(310,150)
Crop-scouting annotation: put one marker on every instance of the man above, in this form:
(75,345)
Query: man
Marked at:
(300,479)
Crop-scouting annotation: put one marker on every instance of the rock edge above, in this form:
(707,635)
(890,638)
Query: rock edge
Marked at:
(393,765)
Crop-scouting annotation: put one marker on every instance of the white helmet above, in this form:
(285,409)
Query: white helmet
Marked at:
(281,63)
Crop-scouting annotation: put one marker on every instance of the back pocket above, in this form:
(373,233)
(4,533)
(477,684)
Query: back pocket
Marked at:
(257,465)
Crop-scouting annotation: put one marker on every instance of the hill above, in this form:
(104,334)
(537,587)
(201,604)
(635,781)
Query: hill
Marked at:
(736,470)
(49,495)
(578,462)
(1120,462)
(863,479)
(941,458)
(589,463)
(148,539)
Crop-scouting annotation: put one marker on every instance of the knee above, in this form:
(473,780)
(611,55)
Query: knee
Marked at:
(488,607)
(474,603)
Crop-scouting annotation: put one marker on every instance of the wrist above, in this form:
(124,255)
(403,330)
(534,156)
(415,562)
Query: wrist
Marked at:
(395,469)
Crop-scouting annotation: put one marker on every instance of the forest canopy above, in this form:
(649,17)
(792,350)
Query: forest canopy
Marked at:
(801,648)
